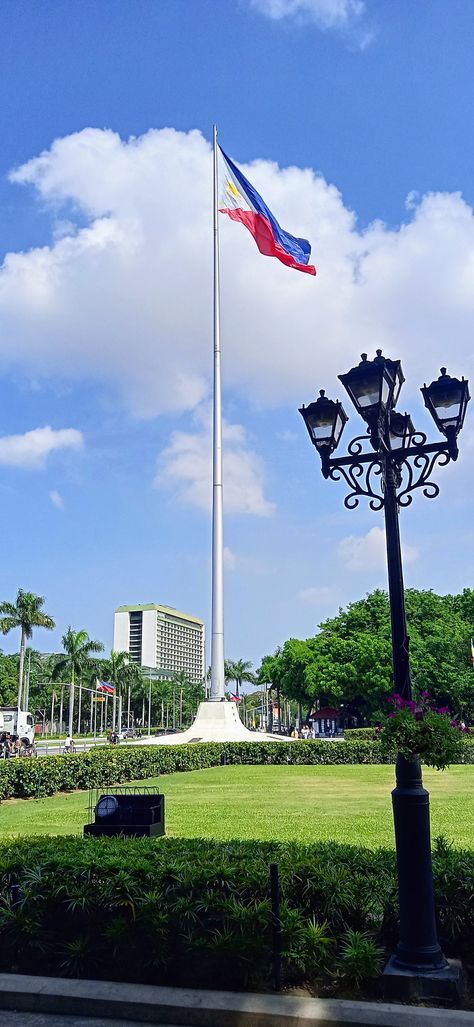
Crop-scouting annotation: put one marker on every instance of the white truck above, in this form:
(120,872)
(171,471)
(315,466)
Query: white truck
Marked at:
(17,722)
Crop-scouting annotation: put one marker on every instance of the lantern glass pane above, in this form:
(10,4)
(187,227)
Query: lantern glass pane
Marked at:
(386,387)
(397,439)
(321,426)
(399,379)
(338,428)
(366,390)
(447,404)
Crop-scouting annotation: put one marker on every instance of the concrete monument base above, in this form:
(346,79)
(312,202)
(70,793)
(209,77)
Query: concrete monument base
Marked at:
(216,722)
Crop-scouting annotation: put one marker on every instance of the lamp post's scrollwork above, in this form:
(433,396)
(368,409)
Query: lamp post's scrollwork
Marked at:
(394,443)
(365,473)
(385,466)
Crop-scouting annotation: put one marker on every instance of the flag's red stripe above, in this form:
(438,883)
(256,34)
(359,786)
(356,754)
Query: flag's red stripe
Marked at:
(261,230)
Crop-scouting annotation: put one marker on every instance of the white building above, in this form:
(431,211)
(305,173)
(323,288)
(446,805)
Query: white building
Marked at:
(162,638)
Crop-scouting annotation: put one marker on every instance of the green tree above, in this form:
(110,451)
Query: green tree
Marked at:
(8,679)
(349,661)
(121,672)
(228,671)
(25,613)
(134,680)
(79,650)
(239,671)
(32,672)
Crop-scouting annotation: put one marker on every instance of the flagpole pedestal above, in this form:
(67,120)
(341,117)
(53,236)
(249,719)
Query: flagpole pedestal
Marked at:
(216,722)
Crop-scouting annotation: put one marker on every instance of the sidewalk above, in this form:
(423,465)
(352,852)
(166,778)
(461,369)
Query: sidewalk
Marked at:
(60,1002)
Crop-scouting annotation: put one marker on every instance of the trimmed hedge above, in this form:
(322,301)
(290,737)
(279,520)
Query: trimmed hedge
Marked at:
(366,733)
(35,778)
(197,913)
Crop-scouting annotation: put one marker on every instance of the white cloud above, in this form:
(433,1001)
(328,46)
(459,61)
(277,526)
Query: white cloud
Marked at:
(287,436)
(230,559)
(56,499)
(185,467)
(317,595)
(126,301)
(34,447)
(367,552)
(327,14)
(346,16)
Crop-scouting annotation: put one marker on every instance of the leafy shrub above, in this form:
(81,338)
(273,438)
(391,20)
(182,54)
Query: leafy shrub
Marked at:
(364,733)
(35,778)
(197,913)
(360,957)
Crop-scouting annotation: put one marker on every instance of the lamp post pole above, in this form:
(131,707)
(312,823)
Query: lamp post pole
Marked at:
(400,641)
(418,949)
(385,466)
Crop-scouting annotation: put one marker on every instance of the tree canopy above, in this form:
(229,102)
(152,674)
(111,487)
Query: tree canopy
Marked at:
(239,671)
(79,650)
(25,613)
(348,662)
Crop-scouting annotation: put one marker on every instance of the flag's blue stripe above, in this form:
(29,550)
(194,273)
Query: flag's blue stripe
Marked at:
(300,249)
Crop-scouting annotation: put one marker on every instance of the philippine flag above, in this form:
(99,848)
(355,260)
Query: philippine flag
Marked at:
(241,201)
(105,686)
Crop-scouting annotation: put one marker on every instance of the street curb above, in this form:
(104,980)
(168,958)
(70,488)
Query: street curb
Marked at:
(193,1008)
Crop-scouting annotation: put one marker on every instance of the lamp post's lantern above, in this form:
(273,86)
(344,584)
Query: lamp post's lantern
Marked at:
(447,399)
(401,428)
(324,420)
(374,387)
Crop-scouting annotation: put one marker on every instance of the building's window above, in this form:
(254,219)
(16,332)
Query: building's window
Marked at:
(135,635)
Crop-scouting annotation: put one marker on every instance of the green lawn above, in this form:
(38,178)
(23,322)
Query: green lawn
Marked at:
(297,803)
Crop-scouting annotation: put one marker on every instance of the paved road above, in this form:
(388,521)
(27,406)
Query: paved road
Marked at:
(8,1019)
(53,748)
(56,748)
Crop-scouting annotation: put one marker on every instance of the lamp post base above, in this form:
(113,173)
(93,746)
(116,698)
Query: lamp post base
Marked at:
(444,986)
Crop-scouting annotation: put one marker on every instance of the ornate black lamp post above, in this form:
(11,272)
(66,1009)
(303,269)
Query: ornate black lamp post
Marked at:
(385,466)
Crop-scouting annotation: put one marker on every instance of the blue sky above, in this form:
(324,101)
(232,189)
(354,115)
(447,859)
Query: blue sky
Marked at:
(354,120)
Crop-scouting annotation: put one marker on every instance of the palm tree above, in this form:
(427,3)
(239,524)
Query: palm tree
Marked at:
(134,678)
(78,651)
(26,614)
(240,670)
(34,663)
(120,671)
(186,690)
(228,671)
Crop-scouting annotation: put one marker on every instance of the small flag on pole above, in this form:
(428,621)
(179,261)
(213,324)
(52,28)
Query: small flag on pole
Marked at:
(105,686)
(234,698)
(242,202)
(472,651)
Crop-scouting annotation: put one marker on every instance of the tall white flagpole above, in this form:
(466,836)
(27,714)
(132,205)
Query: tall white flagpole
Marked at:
(217,641)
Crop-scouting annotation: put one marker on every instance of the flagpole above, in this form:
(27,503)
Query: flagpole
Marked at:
(217,639)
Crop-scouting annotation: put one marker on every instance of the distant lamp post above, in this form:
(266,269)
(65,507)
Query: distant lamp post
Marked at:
(385,466)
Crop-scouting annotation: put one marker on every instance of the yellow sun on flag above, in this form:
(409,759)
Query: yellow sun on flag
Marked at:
(232,189)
